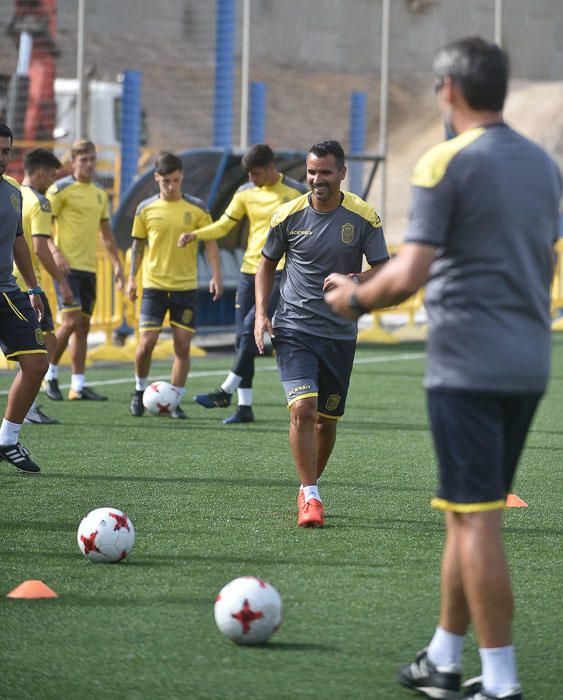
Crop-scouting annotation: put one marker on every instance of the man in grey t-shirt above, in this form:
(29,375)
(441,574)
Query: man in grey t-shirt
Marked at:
(322,233)
(483,222)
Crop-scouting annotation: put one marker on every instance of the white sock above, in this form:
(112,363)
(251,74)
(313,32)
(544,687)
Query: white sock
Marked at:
(141,383)
(9,432)
(52,372)
(180,390)
(311,492)
(231,383)
(445,648)
(244,397)
(499,670)
(77,382)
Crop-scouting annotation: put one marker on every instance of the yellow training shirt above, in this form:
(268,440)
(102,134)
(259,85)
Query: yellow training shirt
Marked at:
(79,208)
(36,219)
(258,204)
(160,223)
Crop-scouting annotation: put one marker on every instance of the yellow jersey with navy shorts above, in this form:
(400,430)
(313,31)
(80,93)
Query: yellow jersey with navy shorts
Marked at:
(20,333)
(169,273)
(488,201)
(314,346)
(36,221)
(78,209)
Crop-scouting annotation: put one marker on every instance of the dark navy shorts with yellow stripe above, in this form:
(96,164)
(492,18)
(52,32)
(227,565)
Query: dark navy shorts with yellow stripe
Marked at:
(20,333)
(311,366)
(83,286)
(156,302)
(47,324)
(478,437)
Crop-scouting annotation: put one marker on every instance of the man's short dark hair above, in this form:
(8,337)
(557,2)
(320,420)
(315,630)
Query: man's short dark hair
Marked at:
(258,156)
(326,148)
(6,132)
(479,68)
(167,163)
(40,158)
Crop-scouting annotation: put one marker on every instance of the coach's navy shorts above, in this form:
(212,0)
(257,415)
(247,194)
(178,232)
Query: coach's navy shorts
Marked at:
(20,333)
(313,366)
(156,302)
(83,286)
(478,438)
(47,325)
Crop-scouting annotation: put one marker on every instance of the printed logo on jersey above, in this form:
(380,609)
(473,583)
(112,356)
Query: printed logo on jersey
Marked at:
(45,205)
(187,315)
(39,338)
(347,233)
(15,202)
(298,389)
(332,402)
(300,232)
(187,218)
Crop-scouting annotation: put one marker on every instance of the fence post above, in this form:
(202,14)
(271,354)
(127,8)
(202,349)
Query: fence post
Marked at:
(130,128)
(257,112)
(358,102)
(224,73)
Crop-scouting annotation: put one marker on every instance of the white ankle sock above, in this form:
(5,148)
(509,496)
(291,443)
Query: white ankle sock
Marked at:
(180,390)
(141,383)
(9,432)
(52,372)
(499,670)
(311,492)
(244,397)
(77,382)
(445,648)
(231,383)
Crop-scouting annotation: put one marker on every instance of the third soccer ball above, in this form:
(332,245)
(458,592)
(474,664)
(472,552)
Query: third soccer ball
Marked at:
(106,535)
(248,610)
(160,399)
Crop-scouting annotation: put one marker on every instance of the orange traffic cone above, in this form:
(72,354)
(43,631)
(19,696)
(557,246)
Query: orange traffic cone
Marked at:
(513,501)
(32,589)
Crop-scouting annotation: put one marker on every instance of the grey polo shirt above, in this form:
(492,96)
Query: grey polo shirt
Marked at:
(10,227)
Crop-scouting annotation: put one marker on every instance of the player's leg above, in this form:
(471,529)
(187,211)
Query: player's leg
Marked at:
(183,322)
(35,414)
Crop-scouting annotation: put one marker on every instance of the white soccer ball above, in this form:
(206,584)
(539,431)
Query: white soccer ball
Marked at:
(106,535)
(248,610)
(160,399)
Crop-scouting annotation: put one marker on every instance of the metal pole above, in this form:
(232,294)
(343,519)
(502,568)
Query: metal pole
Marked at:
(383,101)
(244,73)
(80,93)
(498,22)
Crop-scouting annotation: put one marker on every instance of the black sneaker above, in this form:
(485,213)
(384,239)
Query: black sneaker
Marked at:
(440,682)
(243,414)
(474,691)
(178,413)
(52,390)
(86,394)
(216,399)
(36,415)
(137,408)
(18,455)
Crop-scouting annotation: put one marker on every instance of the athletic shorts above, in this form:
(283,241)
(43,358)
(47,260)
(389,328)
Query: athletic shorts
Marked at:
(20,333)
(83,286)
(313,366)
(47,324)
(156,302)
(478,438)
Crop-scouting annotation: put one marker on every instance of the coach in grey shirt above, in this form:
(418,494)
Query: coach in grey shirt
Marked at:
(484,219)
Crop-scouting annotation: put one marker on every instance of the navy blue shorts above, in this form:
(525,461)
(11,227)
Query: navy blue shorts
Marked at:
(47,324)
(20,333)
(83,286)
(245,299)
(313,366)
(478,439)
(156,302)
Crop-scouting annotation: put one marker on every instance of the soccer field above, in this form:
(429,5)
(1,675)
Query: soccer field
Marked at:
(211,503)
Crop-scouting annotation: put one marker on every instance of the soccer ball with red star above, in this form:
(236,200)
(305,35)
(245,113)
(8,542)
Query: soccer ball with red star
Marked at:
(160,399)
(106,535)
(248,610)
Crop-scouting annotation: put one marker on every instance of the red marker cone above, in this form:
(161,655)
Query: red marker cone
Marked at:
(32,589)
(513,501)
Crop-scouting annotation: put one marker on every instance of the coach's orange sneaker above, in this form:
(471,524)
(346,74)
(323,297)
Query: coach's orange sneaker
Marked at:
(311,514)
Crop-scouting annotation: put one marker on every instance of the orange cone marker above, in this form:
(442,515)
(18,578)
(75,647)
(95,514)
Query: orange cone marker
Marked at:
(32,589)
(513,501)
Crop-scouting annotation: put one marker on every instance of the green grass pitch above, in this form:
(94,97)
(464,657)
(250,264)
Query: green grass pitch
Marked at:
(211,503)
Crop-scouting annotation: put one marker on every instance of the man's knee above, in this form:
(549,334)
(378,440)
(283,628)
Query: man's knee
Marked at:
(34,365)
(303,411)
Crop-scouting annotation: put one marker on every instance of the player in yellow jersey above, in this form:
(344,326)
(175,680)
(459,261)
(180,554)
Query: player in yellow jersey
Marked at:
(257,200)
(169,274)
(40,169)
(80,208)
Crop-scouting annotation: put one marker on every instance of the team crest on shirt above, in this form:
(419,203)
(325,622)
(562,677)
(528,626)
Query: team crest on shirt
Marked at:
(332,401)
(187,218)
(15,202)
(347,233)
(39,338)
(187,316)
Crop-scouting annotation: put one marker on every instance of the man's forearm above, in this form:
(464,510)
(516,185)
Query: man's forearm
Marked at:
(137,251)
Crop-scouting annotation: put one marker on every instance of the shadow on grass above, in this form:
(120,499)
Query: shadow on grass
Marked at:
(294,646)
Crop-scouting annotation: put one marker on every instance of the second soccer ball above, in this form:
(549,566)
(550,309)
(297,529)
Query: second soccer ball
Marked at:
(160,399)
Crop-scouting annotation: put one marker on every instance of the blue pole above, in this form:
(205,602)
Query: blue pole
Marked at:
(225,30)
(257,131)
(358,110)
(130,128)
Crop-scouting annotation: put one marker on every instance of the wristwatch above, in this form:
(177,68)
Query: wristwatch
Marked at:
(355,306)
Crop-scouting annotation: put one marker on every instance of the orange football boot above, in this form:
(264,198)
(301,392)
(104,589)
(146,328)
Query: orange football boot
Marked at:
(300,499)
(311,514)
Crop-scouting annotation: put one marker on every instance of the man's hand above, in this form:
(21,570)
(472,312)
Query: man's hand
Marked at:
(132,289)
(66,292)
(61,262)
(37,305)
(262,324)
(118,277)
(338,298)
(215,288)
(186,238)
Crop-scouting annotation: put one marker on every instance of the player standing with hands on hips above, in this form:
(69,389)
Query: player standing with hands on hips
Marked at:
(483,222)
(321,233)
